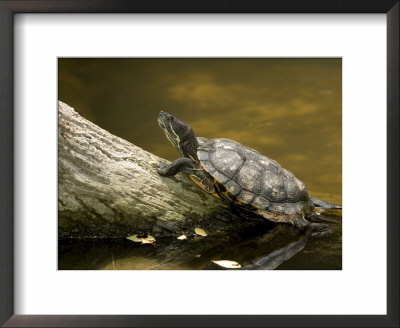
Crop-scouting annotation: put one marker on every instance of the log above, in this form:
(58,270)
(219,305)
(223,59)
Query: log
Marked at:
(108,187)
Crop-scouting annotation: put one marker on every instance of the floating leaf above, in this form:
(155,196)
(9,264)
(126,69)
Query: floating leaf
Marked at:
(228,264)
(200,232)
(148,241)
(150,238)
(134,238)
(183,237)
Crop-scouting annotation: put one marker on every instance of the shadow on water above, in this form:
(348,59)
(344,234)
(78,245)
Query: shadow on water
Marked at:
(265,247)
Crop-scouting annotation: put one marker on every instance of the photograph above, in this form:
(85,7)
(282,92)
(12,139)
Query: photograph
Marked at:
(199,163)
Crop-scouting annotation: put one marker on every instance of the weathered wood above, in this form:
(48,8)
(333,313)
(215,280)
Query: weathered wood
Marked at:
(108,187)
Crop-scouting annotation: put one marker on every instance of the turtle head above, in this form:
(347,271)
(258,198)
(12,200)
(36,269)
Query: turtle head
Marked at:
(180,134)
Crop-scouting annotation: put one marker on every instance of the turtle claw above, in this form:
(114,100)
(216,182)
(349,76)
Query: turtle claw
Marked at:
(159,166)
(321,230)
(162,168)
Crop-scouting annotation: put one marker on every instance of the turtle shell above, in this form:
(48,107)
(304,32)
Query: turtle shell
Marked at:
(249,179)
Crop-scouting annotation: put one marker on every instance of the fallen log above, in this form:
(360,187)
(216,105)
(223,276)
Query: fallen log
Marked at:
(108,187)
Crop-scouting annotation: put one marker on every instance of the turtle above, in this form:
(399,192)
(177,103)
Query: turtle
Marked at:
(240,175)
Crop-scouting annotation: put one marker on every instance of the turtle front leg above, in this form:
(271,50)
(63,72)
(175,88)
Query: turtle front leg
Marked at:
(183,165)
(318,230)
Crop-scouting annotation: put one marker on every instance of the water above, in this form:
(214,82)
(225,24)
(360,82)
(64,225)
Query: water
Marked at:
(288,109)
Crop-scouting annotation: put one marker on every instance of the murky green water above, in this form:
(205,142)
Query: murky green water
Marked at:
(288,109)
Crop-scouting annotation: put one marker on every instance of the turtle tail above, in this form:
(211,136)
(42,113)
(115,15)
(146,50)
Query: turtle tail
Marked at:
(323,204)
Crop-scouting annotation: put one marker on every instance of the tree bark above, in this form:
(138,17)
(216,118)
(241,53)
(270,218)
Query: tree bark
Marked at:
(108,187)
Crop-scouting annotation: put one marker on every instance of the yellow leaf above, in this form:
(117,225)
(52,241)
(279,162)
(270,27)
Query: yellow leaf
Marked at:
(200,232)
(183,237)
(134,238)
(150,238)
(228,264)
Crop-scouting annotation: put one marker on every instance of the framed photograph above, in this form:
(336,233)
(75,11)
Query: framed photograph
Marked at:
(199,165)
(273,106)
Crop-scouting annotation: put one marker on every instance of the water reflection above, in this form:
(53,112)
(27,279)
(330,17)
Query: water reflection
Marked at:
(273,260)
(267,246)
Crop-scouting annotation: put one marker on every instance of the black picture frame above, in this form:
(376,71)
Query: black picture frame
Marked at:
(10,7)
